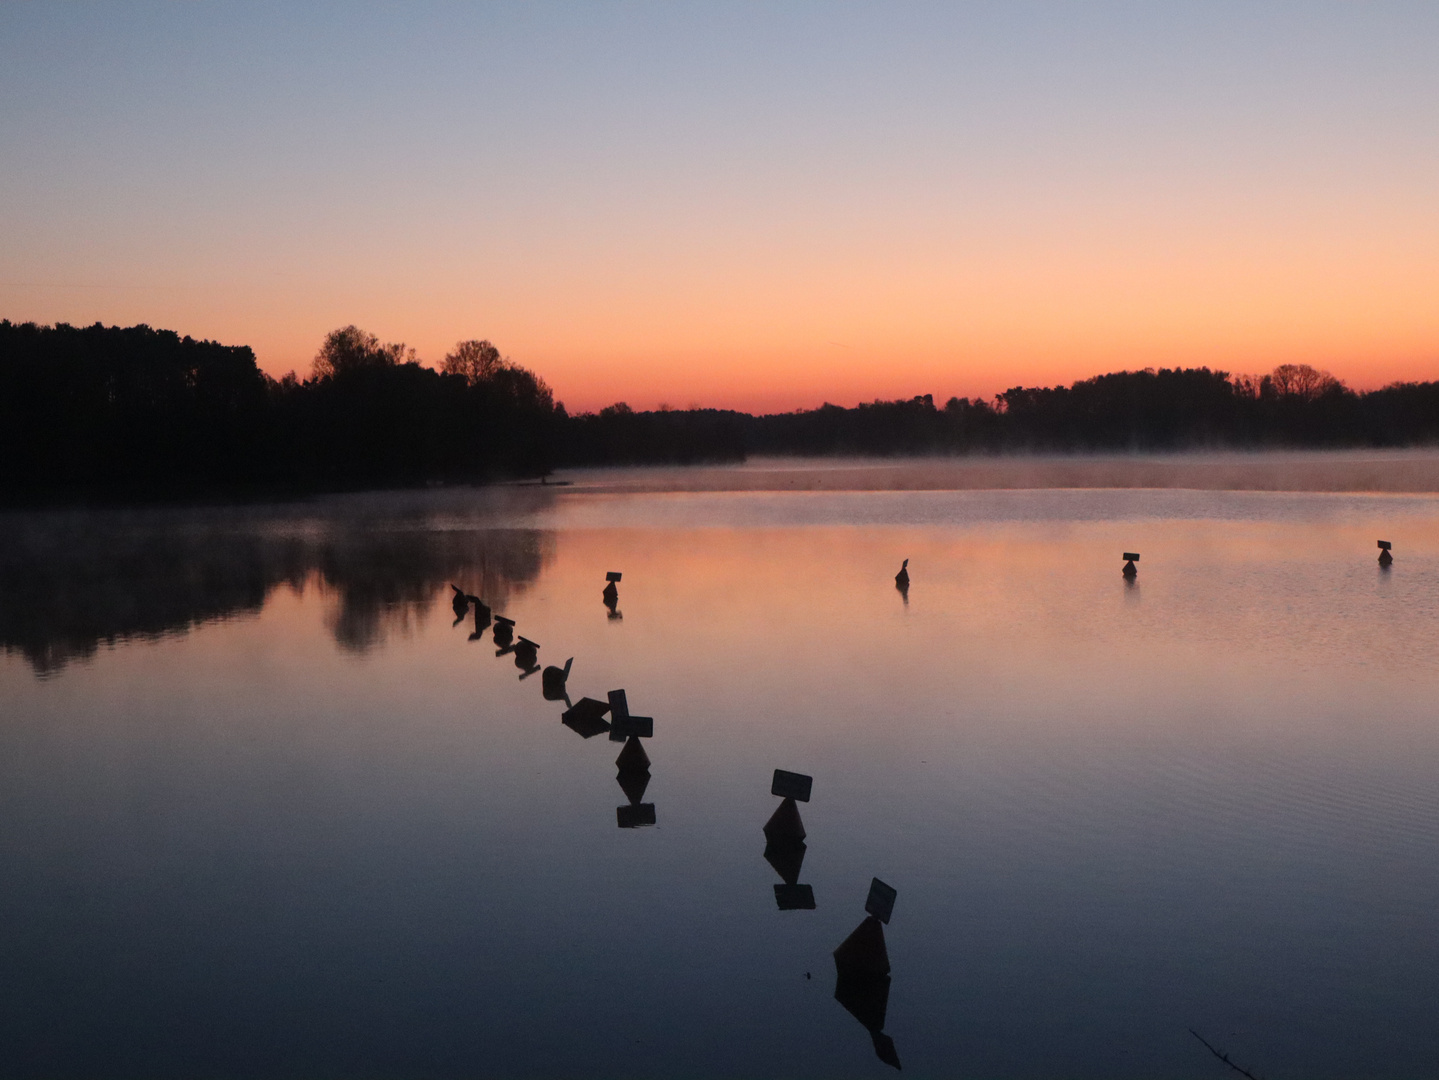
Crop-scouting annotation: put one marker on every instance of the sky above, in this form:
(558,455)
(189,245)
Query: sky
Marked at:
(760,206)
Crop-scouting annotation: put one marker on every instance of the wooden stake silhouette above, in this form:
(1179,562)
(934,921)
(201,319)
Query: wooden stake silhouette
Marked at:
(861,966)
(553,679)
(784,825)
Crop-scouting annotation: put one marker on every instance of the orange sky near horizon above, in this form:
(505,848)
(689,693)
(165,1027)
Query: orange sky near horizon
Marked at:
(887,203)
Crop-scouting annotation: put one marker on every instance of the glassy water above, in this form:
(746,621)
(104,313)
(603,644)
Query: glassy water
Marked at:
(267,811)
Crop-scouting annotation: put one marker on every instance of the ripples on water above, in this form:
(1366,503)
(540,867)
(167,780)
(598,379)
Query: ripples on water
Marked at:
(266,812)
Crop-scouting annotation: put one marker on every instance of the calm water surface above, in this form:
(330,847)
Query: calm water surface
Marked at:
(265,811)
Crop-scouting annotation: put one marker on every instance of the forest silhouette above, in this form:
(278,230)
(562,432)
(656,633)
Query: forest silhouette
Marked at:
(109,413)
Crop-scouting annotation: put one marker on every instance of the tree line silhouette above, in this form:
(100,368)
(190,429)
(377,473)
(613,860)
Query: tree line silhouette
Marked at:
(114,413)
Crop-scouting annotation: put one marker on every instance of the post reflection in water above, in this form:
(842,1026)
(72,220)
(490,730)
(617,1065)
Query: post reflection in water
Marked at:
(264,811)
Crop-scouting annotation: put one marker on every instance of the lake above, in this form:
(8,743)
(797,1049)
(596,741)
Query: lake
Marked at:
(267,810)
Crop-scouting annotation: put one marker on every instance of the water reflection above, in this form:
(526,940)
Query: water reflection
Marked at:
(70,583)
(246,853)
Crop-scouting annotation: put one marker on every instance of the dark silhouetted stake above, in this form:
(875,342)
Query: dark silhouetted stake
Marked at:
(791,785)
(794,897)
(586,717)
(784,825)
(504,630)
(861,965)
(1385,559)
(864,952)
(634,817)
(619,703)
(622,724)
(1130,570)
(526,653)
(861,985)
(633,757)
(626,727)
(552,682)
(901,579)
(482,617)
(633,763)
(784,840)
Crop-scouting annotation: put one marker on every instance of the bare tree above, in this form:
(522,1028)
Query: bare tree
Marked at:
(477,361)
(1302,381)
(352,349)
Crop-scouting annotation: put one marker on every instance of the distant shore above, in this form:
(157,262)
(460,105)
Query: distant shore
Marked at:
(106,415)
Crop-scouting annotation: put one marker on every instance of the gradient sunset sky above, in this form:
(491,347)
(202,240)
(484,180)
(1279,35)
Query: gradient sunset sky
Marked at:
(763,206)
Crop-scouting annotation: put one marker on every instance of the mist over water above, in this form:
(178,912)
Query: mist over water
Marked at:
(1414,470)
(267,809)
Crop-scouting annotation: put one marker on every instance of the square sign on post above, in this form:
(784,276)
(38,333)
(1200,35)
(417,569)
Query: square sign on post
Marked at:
(613,575)
(627,726)
(881,900)
(791,785)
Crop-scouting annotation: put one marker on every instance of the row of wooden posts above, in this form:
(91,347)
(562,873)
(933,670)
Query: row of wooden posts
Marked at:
(862,970)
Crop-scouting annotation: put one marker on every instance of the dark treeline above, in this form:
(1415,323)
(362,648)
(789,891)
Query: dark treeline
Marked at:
(114,413)
(1180,409)
(111,412)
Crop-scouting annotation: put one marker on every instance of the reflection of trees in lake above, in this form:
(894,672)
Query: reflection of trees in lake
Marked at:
(384,581)
(72,582)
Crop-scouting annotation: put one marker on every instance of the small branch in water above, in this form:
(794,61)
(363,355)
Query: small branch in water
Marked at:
(1222,1056)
